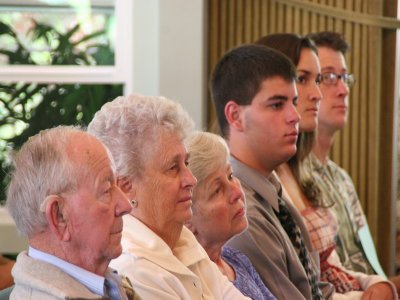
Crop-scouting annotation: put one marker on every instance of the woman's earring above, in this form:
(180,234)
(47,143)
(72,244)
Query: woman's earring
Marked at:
(133,203)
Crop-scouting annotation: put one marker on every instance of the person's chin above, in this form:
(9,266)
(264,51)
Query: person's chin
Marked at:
(310,126)
(186,215)
(242,225)
(291,150)
(116,251)
(288,154)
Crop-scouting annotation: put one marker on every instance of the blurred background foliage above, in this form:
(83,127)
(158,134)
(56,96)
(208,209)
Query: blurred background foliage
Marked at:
(27,108)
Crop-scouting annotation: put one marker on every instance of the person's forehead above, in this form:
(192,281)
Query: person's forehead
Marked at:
(84,148)
(278,85)
(166,148)
(91,156)
(330,58)
(308,58)
(278,80)
(218,169)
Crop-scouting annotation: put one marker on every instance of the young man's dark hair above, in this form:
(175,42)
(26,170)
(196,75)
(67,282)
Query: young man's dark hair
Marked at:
(330,39)
(239,74)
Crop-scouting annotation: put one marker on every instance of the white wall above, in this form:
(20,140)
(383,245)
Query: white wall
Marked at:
(146,41)
(169,52)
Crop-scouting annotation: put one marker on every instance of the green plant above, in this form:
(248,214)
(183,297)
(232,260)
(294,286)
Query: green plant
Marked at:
(33,107)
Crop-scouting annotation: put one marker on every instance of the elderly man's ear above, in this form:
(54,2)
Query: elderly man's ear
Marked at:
(57,217)
(233,114)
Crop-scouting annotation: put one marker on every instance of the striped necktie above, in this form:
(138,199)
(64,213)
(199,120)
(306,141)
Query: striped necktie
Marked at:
(294,233)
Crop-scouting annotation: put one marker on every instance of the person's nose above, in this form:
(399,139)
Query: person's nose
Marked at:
(123,205)
(343,89)
(293,115)
(236,191)
(316,94)
(188,179)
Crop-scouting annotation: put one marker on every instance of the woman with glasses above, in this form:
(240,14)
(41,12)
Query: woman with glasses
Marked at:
(298,187)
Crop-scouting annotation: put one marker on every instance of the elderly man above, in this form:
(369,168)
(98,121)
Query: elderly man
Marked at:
(253,88)
(63,197)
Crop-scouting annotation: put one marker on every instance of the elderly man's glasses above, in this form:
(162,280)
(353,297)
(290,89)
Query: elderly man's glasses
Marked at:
(332,78)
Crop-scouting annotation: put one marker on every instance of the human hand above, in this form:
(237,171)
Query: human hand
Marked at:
(378,291)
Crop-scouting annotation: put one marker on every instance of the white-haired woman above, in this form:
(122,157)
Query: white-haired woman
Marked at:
(160,256)
(219,212)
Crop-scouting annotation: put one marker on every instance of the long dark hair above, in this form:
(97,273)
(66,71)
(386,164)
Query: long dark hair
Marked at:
(292,45)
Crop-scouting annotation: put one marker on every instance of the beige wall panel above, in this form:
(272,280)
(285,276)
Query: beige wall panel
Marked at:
(223,26)
(239,21)
(248,17)
(314,22)
(288,18)
(272,17)
(265,8)
(232,19)
(256,19)
(280,24)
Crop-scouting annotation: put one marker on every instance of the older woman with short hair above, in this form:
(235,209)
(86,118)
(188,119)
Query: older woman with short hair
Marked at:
(160,256)
(219,212)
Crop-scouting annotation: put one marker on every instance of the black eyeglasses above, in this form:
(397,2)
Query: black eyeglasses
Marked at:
(332,78)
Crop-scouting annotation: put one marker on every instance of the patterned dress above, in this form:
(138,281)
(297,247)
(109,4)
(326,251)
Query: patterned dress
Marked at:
(323,228)
(338,189)
(247,279)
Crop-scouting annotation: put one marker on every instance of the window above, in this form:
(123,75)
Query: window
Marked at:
(60,61)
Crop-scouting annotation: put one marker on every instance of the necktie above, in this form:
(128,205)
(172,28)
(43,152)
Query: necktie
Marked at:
(130,292)
(293,231)
(120,288)
(111,290)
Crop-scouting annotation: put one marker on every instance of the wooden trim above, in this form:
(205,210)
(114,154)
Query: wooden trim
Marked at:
(345,14)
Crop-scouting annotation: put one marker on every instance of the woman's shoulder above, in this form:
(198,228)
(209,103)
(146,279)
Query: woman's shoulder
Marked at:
(235,256)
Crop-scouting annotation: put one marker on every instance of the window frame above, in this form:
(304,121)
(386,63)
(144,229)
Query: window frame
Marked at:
(120,73)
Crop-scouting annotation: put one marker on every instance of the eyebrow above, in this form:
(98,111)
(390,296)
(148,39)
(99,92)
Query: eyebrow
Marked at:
(304,71)
(176,158)
(331,69)
(277,97)
(105,179)
(108,179)
(215,182)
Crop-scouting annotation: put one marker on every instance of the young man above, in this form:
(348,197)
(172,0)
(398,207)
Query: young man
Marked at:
(63,196)
(254,91)
(335,184)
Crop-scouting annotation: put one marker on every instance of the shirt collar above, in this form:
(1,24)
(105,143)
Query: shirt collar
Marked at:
(268,188)
(93,282)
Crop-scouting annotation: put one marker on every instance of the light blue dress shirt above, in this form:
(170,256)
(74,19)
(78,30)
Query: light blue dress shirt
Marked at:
(93,282)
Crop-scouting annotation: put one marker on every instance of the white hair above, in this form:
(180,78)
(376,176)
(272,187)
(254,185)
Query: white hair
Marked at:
(128,126)
(208,153)
(40,168)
